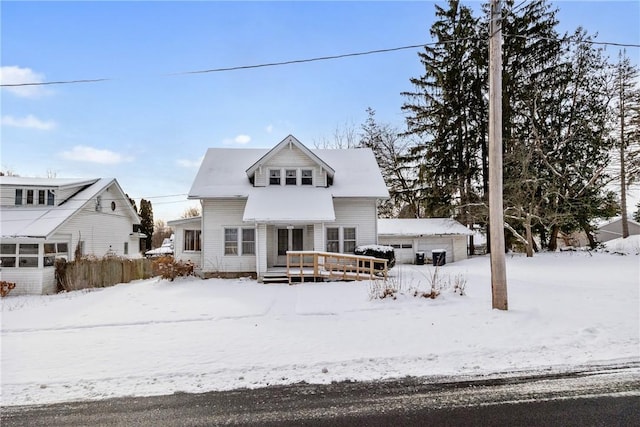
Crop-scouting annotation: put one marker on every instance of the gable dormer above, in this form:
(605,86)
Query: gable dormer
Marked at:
(290,163)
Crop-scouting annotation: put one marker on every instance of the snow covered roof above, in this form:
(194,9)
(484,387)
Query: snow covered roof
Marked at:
(44,182)
(289,204)
(421,227)
(43,221)
(284,143)
(222,173)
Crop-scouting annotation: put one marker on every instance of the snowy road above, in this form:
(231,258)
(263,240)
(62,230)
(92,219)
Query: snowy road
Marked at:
(593,395)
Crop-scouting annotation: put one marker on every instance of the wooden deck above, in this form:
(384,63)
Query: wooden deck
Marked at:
(313,265)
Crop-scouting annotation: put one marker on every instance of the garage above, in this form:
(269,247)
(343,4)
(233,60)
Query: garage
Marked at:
(410,235)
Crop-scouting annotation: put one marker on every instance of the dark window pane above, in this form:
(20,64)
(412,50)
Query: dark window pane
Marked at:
(19,196)
(28,261)
(8,261)
(28,249)
(8,248)
(49,248)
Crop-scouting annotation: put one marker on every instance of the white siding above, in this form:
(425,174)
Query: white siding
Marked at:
(216,215)
(101,231)
(358,213)
(28,280)
(289,158)
(178,244)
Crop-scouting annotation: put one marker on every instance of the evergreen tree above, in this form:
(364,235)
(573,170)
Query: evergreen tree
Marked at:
(146,221)
(636,216)
(447,113)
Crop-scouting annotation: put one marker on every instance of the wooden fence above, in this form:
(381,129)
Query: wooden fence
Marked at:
(100,273)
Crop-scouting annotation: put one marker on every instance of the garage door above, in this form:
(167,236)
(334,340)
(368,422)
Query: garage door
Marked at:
(427,245)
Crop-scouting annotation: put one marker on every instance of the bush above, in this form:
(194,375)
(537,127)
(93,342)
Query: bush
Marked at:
(5,288)
(378,251)
(169,268)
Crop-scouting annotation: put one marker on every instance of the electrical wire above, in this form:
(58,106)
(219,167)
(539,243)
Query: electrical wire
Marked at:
(308,60)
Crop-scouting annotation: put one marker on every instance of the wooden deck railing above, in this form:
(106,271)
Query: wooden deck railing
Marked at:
(329,265)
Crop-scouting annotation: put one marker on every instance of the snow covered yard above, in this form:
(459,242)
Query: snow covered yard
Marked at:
(191,335)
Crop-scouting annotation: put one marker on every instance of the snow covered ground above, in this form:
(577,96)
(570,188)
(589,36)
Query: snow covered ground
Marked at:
(159,337)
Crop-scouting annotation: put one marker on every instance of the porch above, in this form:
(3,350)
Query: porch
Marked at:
(320,266)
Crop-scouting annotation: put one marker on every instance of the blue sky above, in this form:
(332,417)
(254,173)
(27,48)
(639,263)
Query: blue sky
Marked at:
(149,128)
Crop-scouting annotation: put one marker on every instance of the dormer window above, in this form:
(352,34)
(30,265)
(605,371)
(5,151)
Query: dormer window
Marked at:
(291,177)
(274,177)
(307,177)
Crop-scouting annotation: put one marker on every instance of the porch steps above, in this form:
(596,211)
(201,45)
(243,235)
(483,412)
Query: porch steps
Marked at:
(275,277)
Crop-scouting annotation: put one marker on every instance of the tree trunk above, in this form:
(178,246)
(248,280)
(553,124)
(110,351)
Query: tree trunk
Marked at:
(553,238)
(587,230)
(529,236)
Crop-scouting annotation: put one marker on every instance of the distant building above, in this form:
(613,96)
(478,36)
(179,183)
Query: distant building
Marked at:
(166,249)
(42,219)
(613,230)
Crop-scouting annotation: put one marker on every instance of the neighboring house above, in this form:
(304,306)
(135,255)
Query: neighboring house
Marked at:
(613,230)
(257,204)
(166,249)
(409,236)
(42,219)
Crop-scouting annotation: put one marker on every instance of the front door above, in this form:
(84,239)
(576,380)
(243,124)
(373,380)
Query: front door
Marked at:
(289,239)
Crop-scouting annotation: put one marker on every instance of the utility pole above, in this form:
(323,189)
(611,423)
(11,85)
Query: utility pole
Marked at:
(496,209)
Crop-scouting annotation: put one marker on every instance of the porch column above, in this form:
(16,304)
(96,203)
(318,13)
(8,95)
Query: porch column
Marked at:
(318,237)
(261,249)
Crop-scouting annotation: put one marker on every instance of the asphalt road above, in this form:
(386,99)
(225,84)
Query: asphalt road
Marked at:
(593,396)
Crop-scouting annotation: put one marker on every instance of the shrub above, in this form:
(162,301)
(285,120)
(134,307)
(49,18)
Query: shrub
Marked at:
(169,268)
(378,251)
(5,288)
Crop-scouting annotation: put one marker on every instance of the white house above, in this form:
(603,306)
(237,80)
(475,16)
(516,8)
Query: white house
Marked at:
(409,236)
(42,219)
(258,203)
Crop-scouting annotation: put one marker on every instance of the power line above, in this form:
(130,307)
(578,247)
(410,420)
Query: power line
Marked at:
(314,59)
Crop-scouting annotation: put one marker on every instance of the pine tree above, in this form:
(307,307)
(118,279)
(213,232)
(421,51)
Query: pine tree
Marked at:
(146,221)
(447,113)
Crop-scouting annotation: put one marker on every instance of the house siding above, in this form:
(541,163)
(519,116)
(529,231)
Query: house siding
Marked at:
(102,232)
(289,158)
(178,244)
(358,213)
(216,215)
(29,281)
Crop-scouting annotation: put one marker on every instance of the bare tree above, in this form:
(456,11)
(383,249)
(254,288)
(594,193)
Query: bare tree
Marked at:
(191,212)
(161,231)
(344,136)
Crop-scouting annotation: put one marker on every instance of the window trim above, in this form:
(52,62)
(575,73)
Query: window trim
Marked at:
(273,179)
(291,177)
(194,242)
(341,240)
(239,242)
(308,179)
